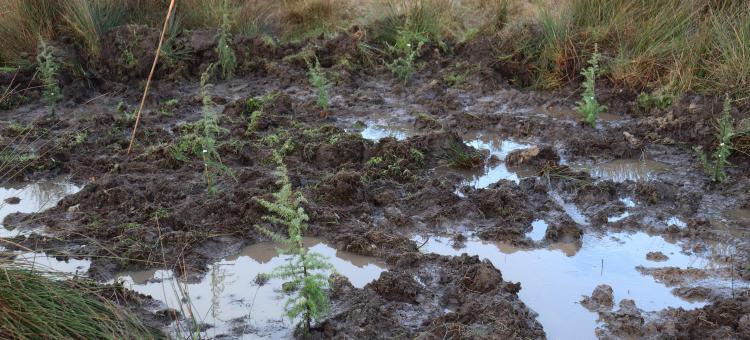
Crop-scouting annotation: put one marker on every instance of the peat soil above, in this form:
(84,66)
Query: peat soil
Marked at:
(419,173)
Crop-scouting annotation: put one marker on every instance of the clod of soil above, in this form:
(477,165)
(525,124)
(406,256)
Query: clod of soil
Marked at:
(13,200)
(723,319)
(656,256)
(601,299)
(535,156)
(625,322)
(673,276)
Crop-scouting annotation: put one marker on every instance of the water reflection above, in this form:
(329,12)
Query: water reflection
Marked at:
(229,298)
(554,279)
(33,197)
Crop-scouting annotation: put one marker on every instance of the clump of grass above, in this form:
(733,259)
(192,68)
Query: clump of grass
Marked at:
(252,125)
(227,58)
(254,18)
(588,106)
(647,101)
(48,68)
(320,83)
(254,105)
(80,137)
(34,306)
(405,50)
(716,165)
(726,66)
(433,19)
(303,272)
(677,44)
(309,18)
(22,22)
(460,156)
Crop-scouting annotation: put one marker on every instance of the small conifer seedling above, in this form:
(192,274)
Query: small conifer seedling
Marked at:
(303,272)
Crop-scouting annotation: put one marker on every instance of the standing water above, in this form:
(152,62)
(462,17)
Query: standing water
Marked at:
(553,280)
(32,198)
(232,301)
(621,170)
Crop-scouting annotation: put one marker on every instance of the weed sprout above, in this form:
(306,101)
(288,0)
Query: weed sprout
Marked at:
(319,81)
(588,104)
(227,59)
(47,68)
(406,50)
(715,166)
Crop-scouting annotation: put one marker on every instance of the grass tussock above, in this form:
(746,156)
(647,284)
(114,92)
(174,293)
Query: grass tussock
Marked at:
(309,18)
(677,45)
(23,22)
(34,306)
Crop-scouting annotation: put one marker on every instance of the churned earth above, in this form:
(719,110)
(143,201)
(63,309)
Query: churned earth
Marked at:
(450,208)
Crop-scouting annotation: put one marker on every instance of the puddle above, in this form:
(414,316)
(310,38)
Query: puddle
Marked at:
(33,197)
(554,279)
(382,128)
(539,229)
(378,132)
(628,202)
(492,173)
(621,170)
(228,297)
(45,263)
(618,218)
(569,208)
(676,221)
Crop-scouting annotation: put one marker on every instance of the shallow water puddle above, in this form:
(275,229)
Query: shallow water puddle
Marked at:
(570,208)
(676,221)
(492,171)
(46,263)
(554,279)
(378,129)
(499,148)
(34,197)
(229,299)
(538,230)
(621,170)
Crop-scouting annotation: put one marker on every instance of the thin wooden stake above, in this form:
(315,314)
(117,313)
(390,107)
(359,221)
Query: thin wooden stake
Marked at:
(150,75)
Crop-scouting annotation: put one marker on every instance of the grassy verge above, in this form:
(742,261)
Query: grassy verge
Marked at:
(670,45)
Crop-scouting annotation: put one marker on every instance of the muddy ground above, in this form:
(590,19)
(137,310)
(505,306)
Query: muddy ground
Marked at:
(136,211)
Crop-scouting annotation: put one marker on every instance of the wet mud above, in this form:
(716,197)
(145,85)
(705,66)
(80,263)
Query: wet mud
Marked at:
(400,181)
